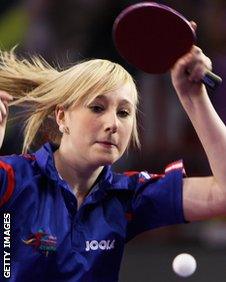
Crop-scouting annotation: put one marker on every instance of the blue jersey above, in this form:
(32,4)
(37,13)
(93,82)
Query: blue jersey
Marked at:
(46,238)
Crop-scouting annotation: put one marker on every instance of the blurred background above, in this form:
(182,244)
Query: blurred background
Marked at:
(66,31)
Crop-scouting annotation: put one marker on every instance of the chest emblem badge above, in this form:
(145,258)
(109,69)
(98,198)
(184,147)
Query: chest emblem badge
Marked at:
(43,242)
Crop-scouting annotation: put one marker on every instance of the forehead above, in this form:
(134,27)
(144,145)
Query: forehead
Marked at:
(123,95)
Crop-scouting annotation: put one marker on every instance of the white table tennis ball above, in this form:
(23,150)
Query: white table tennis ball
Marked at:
(184,265)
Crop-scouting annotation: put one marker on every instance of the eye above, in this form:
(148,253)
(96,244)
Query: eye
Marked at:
(96,108)
(123,113)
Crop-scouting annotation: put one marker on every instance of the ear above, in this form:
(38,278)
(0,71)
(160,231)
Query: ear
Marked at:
(60,115)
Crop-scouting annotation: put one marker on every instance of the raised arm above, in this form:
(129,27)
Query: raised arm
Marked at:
(5,98)
(203,197)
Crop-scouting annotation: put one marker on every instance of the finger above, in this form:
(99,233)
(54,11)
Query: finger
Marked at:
(183,63)
(5,96)
(188,61)
(197,73)
(196,50)
(193,25)
(3,108)
(197,56)
(199,66)
(198,53)
(1,119)
(207,63)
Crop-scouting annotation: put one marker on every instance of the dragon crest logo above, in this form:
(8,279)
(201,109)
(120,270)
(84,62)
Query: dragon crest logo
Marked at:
(43,242)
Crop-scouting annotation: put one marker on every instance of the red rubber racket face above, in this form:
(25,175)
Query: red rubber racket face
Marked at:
(152,37)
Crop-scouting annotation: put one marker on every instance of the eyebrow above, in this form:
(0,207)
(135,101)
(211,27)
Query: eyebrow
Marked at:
(123,101)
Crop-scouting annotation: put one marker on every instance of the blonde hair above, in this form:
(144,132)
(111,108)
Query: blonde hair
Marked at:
(39,87)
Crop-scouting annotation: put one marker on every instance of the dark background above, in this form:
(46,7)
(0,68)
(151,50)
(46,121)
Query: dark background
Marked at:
(67,31)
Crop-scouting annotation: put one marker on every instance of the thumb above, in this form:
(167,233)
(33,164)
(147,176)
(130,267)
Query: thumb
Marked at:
(193,25)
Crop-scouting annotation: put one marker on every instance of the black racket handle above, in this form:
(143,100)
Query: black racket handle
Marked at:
(211,80)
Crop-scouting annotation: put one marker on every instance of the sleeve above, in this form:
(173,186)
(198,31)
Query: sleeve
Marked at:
(7,182)
(157,200)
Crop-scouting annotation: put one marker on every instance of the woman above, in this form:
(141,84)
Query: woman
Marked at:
(70,215)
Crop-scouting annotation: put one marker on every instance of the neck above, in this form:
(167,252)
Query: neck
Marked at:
(80,177)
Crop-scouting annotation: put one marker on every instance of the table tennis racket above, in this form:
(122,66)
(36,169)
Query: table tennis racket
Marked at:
(152,37)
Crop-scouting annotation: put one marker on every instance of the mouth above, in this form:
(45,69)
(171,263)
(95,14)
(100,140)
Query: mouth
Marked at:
(107,144)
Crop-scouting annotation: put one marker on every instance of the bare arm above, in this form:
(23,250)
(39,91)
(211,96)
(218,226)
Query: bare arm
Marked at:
(202,197)
(5,98)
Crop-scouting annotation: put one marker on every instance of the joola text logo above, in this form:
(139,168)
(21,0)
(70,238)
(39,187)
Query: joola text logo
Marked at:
(102,245)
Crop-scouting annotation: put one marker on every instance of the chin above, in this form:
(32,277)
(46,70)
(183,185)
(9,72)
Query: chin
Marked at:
(105,161)
(102,157)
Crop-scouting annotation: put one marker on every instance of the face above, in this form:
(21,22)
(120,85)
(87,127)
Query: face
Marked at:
(101,130)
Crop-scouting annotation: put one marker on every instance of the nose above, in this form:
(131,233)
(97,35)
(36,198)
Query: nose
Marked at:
(111,122)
